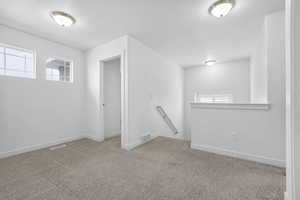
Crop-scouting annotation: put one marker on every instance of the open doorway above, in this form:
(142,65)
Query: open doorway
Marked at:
(112,100)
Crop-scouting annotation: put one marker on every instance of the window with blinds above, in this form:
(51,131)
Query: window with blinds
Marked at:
(217,98)
(59,70)
(17,62)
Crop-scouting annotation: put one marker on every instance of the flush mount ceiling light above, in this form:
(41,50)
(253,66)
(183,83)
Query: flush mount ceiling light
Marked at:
(62,18)
(221,8)
(210,62)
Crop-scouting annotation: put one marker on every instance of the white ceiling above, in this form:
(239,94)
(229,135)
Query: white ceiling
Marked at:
(180,30)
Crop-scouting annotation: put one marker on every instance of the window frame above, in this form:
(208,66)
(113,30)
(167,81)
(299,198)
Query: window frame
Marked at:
(34,60)
(65,60)
(213,98)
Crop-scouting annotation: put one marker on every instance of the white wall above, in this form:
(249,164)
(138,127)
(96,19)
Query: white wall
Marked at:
(112,98)
(153,82)
(293,106)
(259,134)
(258,68)
(297,99)
(226,78)
(36,113)
(248,134)
(92,101)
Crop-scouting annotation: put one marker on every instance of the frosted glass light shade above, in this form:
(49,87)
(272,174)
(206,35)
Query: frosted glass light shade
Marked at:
(62,19)
(221,8)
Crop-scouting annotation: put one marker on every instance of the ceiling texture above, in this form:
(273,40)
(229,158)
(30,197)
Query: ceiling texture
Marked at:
(182,31)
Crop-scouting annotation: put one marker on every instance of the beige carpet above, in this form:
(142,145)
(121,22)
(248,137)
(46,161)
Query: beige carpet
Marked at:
(163,169)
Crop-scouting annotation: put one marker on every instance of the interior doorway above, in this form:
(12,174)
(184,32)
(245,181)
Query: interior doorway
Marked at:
(112,98)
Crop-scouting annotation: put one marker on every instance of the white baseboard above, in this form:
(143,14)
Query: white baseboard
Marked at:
(286,196)
(37,147)
(179,136)
(244,156)
(112,135)
(133,145)
(137,143)
(98,139)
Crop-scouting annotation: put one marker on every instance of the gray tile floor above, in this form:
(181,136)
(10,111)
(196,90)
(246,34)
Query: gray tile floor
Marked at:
(163,169)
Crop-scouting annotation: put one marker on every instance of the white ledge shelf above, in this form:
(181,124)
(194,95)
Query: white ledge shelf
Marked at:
(232,106)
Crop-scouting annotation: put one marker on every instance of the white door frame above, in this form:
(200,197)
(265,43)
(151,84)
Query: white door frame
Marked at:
(290,149)
(124,95)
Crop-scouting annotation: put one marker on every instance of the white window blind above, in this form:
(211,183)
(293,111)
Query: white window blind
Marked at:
(215,98)
(17,62)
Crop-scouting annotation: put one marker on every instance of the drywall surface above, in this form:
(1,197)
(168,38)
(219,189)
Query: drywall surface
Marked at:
(237,132)
(94,117)
(294,156)
(251,133)
(259,68)
(152,82)
(226,78)
(112,98)
(35,113)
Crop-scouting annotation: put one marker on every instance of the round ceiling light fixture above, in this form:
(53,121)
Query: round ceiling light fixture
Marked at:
(210,62)
(62,18)
(221,8)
